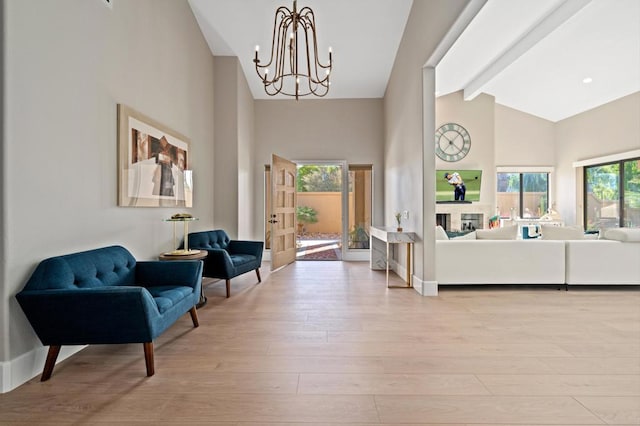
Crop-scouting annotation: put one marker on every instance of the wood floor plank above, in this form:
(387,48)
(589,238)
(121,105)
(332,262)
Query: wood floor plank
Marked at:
(326,343)
(562,384)
(613,410)
(484,410)
(391,384)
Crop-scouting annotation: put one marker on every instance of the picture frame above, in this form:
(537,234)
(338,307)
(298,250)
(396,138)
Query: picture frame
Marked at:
(153,163)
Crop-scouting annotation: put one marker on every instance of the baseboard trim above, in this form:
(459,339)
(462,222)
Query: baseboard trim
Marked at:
(29,365)
(425,288)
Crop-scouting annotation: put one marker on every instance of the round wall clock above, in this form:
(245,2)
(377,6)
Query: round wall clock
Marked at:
(452,142)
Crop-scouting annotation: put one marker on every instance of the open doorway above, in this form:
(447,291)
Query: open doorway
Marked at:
(333,210)
(319,210)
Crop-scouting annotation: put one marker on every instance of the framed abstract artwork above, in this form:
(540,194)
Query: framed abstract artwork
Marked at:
(153,163)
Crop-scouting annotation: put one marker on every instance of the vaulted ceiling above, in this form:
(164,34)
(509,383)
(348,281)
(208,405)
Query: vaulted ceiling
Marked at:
(532,55)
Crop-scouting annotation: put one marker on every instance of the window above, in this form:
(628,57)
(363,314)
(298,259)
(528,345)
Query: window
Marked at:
(360,191)
(612,195)
(524,194)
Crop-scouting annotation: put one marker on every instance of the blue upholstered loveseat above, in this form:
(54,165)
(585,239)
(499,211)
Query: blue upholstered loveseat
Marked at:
(227,258)
(104,296)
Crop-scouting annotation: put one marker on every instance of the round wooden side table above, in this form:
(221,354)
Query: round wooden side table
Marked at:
(200,255)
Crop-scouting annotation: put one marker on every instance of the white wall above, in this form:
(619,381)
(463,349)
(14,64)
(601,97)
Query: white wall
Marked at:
(609,129)
(321,129)
(67,64)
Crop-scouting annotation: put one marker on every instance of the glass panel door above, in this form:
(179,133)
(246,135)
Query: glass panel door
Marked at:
(602,197)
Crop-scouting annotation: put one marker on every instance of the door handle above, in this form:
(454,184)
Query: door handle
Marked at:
(273,221)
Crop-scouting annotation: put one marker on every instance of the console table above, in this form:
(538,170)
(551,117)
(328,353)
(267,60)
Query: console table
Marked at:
(379,253)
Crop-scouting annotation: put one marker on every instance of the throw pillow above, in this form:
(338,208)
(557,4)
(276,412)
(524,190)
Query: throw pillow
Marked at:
(623,234)
(506,233)
(467,236)
(441,234)
(550,232)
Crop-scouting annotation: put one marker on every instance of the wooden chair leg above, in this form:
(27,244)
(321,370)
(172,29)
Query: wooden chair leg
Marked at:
(258,274)
(52,355)
(148,358)
(194,316)
(228,288)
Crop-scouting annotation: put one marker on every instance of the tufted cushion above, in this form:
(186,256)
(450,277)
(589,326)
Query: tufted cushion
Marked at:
(108,266)
(217,239)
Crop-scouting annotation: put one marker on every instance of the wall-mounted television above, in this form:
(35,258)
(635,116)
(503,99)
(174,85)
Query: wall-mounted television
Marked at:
(445,192)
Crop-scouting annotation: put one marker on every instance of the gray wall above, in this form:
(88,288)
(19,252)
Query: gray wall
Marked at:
(225,183)
(404,188)
(306,130)
(67,64)
(478,118)
(234,150)
(246,161)
(612,128)
(523,139)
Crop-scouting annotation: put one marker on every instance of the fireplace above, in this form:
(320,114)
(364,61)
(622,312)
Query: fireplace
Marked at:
(471,221)
(444,220)
(463,217)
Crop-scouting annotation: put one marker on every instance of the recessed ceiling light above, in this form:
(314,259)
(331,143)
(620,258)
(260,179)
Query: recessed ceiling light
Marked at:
(587,80)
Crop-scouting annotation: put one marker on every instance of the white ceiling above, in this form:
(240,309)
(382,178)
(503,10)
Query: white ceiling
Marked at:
(532,55)
(364,36)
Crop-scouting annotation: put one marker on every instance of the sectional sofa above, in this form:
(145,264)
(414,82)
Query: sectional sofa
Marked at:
(560,256)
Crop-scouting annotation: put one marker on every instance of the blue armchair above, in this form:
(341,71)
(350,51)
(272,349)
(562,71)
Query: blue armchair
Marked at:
(227,258)
(104,296)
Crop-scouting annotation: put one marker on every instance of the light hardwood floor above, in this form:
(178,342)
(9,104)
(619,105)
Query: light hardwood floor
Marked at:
(321,343)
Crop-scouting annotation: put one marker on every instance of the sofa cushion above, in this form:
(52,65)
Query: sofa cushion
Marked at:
(623,234)
(505,233)
(241,259)
(550,232)
(467,236)
(441,234)
(168,296)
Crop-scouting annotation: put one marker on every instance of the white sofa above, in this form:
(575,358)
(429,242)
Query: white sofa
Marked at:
(500,262)
(614,261)
(602,262)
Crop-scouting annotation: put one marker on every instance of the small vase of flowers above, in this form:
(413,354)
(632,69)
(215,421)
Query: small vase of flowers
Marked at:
(399,220)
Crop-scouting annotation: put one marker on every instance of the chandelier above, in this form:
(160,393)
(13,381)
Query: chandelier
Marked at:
(294,68)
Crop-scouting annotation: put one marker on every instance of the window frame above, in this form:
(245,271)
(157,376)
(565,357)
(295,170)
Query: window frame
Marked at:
(621,188)
(527,170)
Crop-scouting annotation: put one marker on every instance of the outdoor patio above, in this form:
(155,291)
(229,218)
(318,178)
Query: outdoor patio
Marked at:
(319,246)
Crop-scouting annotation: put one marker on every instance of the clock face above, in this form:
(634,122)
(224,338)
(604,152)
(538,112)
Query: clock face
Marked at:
(452,142)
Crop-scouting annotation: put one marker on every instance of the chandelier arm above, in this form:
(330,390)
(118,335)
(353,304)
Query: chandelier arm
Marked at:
(282,10)
(310,22)
(285,56)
